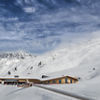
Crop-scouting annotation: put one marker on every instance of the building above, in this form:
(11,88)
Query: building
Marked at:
(15,81)
(29,81)
(60,80)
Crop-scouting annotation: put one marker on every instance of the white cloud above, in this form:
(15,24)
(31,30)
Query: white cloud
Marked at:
(29,9)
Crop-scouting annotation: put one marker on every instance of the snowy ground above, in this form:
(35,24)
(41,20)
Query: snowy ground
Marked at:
(78,60)
(33,93)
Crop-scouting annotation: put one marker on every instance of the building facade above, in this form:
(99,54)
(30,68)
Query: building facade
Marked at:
(26,81)
(61,80)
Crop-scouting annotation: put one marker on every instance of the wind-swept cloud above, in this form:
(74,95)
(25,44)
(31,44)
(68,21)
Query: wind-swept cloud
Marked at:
(39,30)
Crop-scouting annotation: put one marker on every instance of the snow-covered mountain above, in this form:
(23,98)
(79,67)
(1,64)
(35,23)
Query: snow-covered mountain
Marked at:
(38,26)
(82,56)
(80,60)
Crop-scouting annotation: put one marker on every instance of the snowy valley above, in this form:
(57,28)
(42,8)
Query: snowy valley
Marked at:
(79,60)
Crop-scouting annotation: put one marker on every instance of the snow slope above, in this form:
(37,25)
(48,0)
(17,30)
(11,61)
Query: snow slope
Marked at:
(78,60)
(33,93)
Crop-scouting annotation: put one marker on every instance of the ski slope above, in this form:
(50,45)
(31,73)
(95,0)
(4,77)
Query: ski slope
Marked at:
(79,60)
(33,93)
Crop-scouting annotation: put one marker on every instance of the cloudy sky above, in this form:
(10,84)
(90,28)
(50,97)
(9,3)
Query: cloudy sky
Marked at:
(38,26)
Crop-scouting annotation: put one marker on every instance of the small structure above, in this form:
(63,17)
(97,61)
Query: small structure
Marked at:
(16,76)
(44,76)
(60,80)
(10,81)
(16,81)
(34,81)
(0,81)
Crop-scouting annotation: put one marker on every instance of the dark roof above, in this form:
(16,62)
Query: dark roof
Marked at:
(11,80)
(48,79)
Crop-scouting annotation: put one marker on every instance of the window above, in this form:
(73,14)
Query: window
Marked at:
(71,81)
(60,81)
(54,81)
(48,81)
(66,80)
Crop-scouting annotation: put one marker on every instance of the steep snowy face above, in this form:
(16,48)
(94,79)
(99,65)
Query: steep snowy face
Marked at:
(14,62)
(81,56)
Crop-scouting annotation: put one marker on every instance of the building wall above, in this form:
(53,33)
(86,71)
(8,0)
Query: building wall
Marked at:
(68,81)
(34,81)
(57,81)
(64,80)
(21,80)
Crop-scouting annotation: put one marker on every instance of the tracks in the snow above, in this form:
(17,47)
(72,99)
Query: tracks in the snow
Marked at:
(64,93)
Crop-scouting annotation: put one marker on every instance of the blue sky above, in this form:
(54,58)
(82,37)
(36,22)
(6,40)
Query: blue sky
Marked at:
(25,26)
